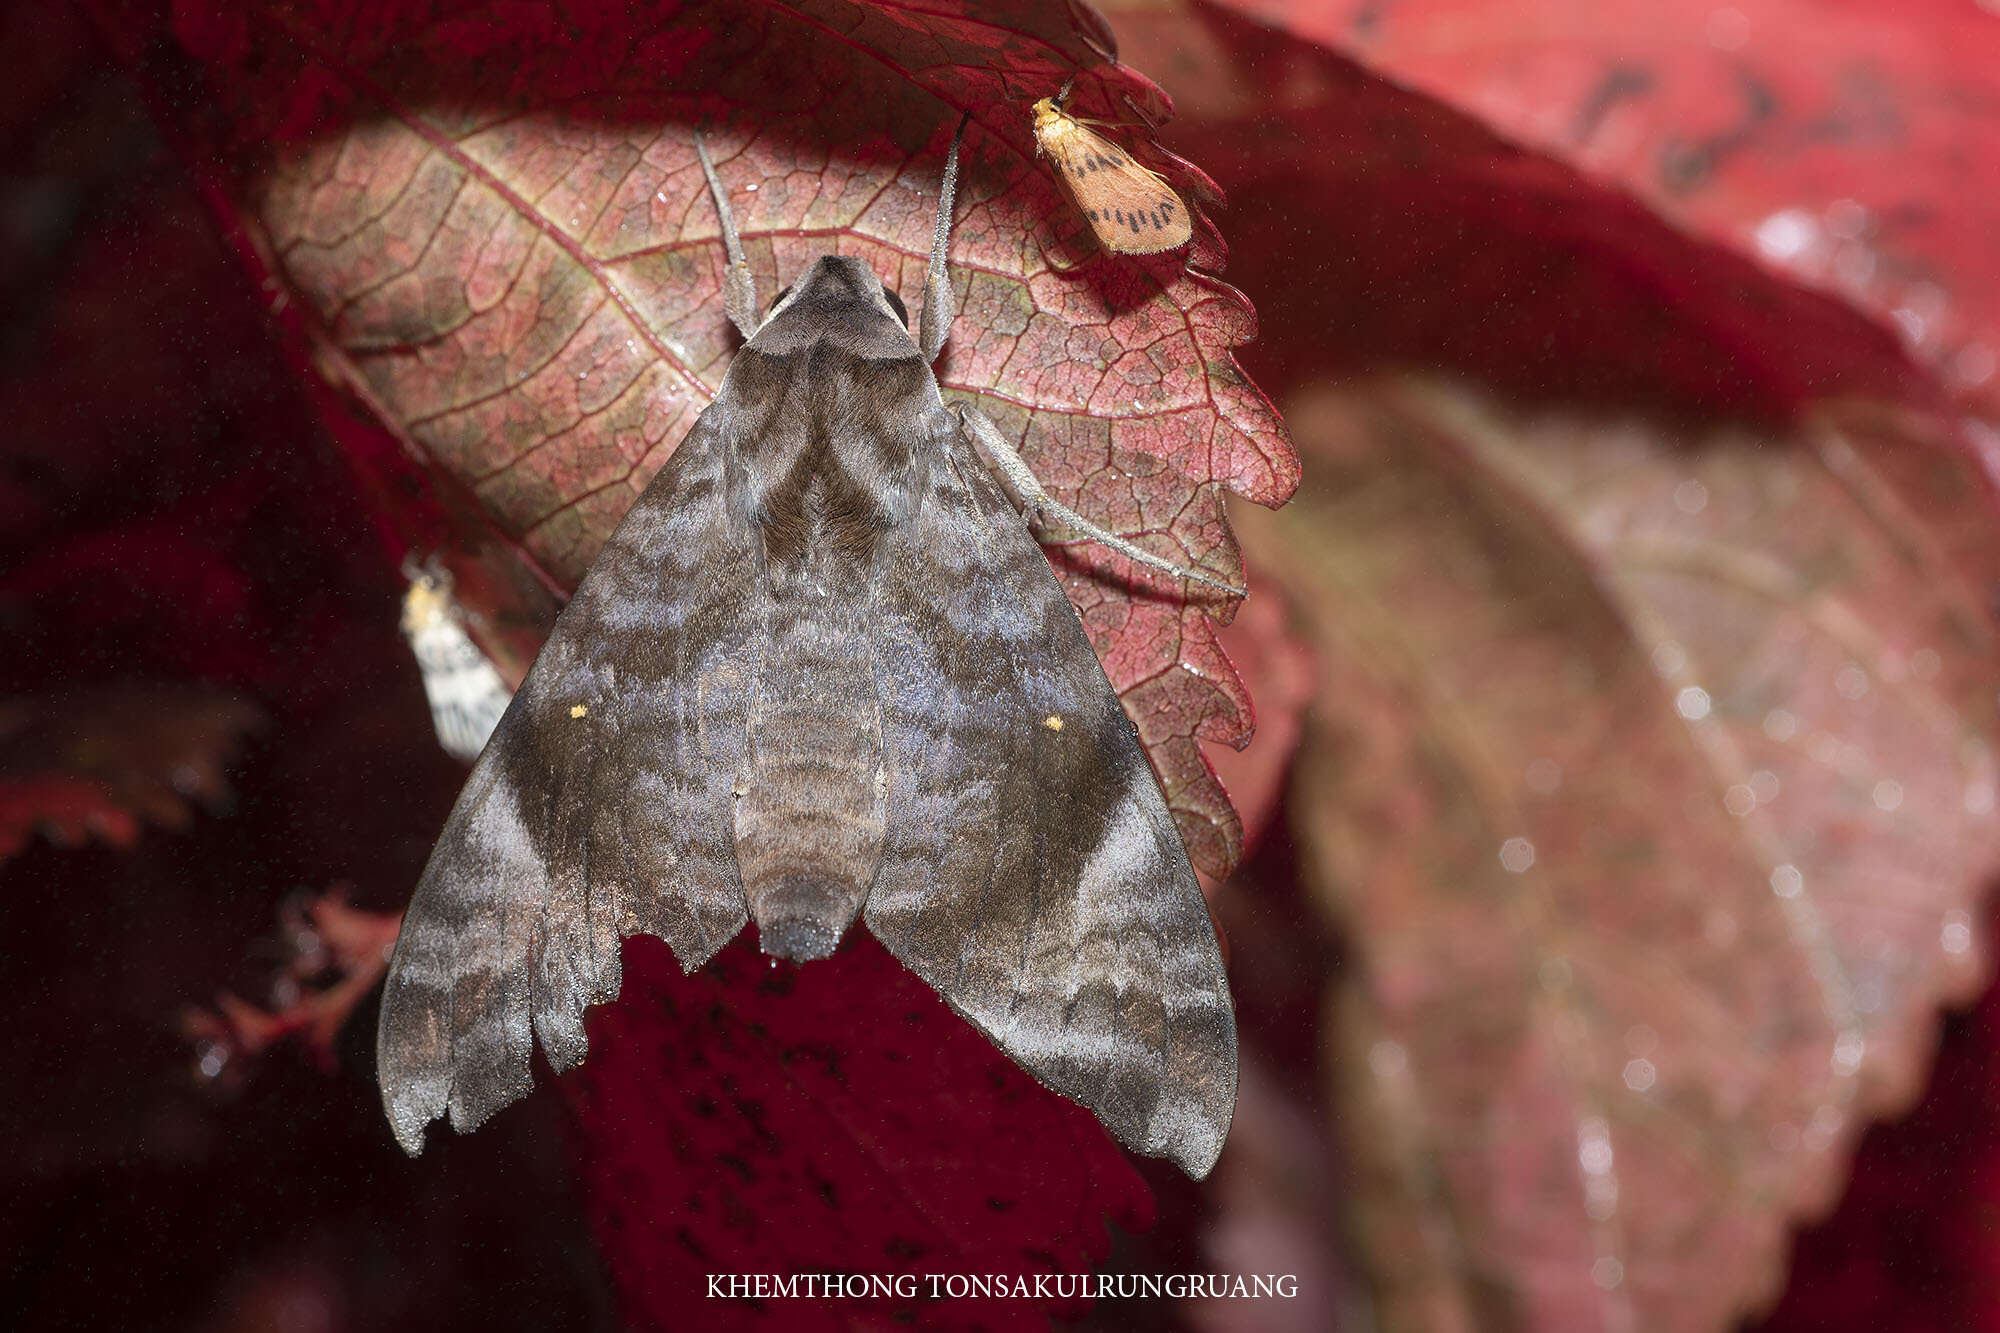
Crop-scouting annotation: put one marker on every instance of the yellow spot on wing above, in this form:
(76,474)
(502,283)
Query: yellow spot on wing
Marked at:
(577,710)
(1053,722)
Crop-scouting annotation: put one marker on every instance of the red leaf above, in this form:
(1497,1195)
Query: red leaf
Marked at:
(1910,1249)
(100,763)
(505,246)
(1652,778)
(68,811)
(1383,230)
(335,955)
(1834,139)
(1278,670)
(861,1127)
(1601,668)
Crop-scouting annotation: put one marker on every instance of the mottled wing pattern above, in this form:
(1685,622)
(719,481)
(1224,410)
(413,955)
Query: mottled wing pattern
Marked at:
(601,808)
(1130,208)
(465,691)
(1030,870)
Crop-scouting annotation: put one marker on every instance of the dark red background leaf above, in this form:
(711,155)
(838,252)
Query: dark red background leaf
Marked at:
(103,762)
(1657,876)
(1385,231)
(1847,143)
(859,1126)
(182,522)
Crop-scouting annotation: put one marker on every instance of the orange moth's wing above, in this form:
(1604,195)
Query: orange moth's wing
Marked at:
(1130,208)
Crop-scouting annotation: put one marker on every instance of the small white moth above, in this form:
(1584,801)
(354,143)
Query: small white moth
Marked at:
(467,695)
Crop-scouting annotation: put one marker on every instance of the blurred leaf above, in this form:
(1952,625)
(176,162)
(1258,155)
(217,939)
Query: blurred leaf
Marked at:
(180,518)
(1832,138)
(334,957)
(1910,1250)
(1650,780)
(1384,230)
(102,762)
(68,811)
(1275,1216)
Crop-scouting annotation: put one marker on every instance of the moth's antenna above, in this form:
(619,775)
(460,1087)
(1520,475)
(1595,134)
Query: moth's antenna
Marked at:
(934,325)
(739,287)
(1061,99)
(1029,488)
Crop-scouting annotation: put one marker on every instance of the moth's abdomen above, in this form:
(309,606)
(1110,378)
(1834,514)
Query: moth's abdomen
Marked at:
(809,805)
(809,810)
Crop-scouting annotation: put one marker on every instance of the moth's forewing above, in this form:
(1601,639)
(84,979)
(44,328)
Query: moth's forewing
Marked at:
(1032,873)
(821,663)
(600,808)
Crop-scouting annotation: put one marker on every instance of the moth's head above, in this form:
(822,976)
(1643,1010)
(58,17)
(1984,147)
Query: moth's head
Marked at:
(839,300)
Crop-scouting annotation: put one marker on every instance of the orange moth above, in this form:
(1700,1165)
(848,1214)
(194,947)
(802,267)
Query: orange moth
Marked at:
(1132,210)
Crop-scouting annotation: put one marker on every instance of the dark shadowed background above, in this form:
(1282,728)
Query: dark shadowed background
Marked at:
(1485,243)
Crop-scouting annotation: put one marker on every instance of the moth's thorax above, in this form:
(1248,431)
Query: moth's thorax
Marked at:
(1049,118)
(823,465)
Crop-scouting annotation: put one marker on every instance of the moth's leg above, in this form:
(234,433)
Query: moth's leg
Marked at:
(739,288)
(934,324)
(1021,480)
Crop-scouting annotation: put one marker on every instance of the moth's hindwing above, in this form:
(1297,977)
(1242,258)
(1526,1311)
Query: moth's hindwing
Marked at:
(600,808)
(1031,872)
